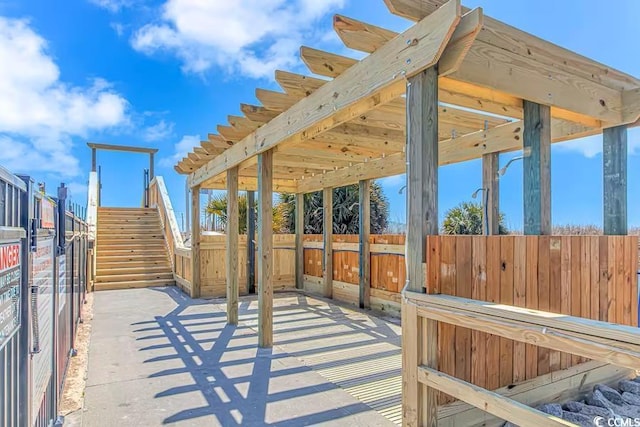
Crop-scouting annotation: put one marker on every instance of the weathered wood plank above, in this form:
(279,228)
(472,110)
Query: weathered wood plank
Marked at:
(614,158)
(537,168)
(532,300)
(491,184)
(492,381)
(299,240)
(506,297)
(195,242)
(555,290)
(565,288)
(364,211)
(233,225)
(327,232)
(265,249)
(463,288)
(519,300)
(478,292)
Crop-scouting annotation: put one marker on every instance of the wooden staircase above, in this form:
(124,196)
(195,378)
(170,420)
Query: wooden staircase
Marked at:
(131,250)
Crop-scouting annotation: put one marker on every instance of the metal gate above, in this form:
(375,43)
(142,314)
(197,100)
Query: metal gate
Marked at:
(43,276)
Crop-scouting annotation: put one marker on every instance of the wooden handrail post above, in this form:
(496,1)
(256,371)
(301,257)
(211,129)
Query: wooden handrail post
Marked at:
(420,336)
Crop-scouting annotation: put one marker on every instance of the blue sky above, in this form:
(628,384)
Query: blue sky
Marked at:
(164,73)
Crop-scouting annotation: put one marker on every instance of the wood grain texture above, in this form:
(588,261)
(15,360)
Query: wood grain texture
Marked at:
(491,184)
(364,214)
(614,159)
(195,242)
(327,229)
(265,249)
(537,168)
(299,212)
(233,225)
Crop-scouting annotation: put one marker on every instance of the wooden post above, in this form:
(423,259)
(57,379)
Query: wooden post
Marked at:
(233,225)
(265,249)
(94,160)
(364,199)
(537,168)
(420,342)
(195,242)
(327,230)
(152,165)
(614,157)
(300,240)
(491,194)
(251,247)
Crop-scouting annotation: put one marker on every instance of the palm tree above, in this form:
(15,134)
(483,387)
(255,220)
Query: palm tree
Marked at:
(346,214)
(218,206)
(466,218)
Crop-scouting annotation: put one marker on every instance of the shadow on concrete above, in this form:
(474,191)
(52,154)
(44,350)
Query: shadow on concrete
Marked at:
(233,375)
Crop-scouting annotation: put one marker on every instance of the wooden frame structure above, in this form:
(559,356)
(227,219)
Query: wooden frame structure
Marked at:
(455,86)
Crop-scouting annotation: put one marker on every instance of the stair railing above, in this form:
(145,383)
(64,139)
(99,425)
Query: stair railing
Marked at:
(92,222)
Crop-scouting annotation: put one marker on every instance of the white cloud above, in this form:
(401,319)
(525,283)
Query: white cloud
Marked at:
(592,145)
(159,131)
(118,28)
(181,149)
(252,37)
(39,114)
(112,6)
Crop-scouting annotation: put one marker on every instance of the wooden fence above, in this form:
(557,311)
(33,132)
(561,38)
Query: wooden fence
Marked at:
(388,272)
(592,277)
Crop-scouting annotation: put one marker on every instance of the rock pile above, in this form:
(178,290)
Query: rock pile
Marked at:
(602,403)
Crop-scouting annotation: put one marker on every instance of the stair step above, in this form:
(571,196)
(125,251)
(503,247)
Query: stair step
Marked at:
(133,262)
(134,277)
(129,231)
(139,252)
(132,257)
(138,220)
(127,269)
(107,286)
(127,238)
(126,210)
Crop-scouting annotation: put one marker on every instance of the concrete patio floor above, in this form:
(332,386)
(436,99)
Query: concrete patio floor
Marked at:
(158,357)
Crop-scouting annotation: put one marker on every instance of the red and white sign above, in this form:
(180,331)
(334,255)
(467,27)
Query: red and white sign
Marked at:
(46,214)
(9,256)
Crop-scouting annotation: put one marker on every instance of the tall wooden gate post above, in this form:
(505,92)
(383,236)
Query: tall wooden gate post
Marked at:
(420,336)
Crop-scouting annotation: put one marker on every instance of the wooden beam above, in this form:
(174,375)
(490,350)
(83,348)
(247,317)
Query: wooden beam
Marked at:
(327,233)
(251,247)
(537,70)
(422,220)
(250,183)
(233,226)
(276,101)
(126,148)
(299,240)
(364,214)
(195,242)
(265,249)
(361,36)
(298,85)
(231,134)
(500,406)
(258,114)
(614,159)
(218,141)
(491,194)
(537,169)
(353,93)
(243,124)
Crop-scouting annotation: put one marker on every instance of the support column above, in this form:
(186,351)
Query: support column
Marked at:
(299,240)
(537,168)
(251,246)
(614,157)
(491,194)
(195,242)
(364,203)
(152,165)
(265,249)
(420,340)
(94,160)
(233,225)
(327,231)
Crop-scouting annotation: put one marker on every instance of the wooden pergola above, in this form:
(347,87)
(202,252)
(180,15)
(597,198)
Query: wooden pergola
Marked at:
(455,86)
